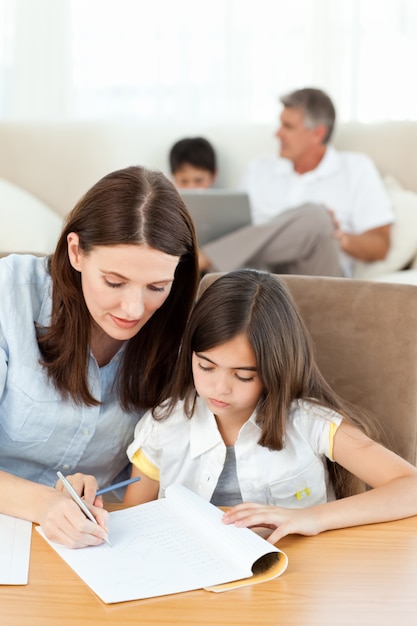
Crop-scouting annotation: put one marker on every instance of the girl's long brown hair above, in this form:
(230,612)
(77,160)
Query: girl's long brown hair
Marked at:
(258,305)
(130,206)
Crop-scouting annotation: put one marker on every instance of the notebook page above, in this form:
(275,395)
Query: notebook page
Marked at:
(237,545)
(156,552)
(152,554)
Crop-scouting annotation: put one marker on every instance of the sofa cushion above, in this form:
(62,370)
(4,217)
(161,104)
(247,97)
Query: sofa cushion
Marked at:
(403,235)
(26,223)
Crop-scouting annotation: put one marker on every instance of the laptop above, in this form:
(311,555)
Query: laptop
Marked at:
(216,212)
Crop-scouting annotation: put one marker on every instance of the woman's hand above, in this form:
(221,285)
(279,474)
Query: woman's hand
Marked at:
(86,487)
(284,521)
(64,522)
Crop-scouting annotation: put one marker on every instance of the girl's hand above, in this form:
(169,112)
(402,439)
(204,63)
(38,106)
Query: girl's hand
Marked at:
(284,521)
(64,522)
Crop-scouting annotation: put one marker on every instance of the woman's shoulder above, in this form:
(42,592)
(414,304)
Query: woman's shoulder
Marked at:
(22,269)
(27,281)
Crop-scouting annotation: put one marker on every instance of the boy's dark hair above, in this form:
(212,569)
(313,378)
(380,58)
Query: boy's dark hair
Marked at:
(195,151)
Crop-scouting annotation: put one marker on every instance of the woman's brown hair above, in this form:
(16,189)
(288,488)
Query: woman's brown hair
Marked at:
(130,206)
(259,306)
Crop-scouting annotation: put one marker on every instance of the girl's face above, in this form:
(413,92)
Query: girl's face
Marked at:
(123,285)
(226,378)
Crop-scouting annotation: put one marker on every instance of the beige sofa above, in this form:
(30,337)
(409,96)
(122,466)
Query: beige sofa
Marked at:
(45,168)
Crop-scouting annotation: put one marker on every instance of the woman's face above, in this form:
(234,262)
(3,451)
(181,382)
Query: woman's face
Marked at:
(123,285)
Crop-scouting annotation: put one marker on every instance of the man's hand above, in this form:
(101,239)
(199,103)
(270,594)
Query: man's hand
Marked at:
(372,245)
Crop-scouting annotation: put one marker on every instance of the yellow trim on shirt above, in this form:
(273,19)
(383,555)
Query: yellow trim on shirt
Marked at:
(332,432)
(145,466)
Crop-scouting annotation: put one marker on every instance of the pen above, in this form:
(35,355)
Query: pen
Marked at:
(117,485)
(74,495)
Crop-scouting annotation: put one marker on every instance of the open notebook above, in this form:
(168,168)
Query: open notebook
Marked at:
(216,212)
(171,545)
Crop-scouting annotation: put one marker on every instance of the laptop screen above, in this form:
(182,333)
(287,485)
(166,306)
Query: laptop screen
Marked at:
(216,212)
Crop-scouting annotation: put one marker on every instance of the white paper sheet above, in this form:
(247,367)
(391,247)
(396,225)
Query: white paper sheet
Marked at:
(15,539)
(166,546)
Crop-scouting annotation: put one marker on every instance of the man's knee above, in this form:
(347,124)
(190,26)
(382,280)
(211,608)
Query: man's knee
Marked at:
(315,219)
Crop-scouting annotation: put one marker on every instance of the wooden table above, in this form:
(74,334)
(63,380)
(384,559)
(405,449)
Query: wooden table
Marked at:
(365,575)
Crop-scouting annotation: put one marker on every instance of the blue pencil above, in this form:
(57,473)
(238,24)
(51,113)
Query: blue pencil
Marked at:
(117,485)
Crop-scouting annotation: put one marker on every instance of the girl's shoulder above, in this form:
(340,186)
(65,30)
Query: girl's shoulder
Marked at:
(313,424)
(159,431)
(158,419)
(159,422)
(303,410)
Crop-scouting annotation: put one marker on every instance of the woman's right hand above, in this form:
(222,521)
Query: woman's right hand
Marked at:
(63,522)
(86,487)
(59,516)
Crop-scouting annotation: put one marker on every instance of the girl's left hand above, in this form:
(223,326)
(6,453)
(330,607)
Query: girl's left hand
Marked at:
(284,521)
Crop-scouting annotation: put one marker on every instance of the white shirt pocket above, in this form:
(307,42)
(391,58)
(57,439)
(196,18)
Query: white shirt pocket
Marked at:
(306,488)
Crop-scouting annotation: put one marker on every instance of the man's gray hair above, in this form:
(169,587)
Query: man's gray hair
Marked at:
(316,107)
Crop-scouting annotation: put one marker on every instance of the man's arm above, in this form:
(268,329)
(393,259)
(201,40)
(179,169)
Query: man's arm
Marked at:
(364,233)
(372,245)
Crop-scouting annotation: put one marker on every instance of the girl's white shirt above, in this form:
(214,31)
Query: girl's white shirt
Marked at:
(192,452)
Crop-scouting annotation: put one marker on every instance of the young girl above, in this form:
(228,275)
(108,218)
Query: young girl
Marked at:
(252,420)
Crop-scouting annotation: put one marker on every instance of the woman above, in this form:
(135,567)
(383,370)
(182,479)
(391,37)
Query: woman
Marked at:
(88,340)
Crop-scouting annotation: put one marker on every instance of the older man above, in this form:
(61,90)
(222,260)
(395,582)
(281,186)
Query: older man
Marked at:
(314,209)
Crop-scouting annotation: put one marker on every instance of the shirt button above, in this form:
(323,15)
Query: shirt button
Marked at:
(85,431)
(66,467)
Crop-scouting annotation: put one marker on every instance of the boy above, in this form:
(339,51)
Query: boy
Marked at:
(193,163)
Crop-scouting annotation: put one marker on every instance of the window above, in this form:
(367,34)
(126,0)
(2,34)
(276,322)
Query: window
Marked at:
(186,61)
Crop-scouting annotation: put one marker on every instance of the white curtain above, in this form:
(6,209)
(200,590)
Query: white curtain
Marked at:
(193,61)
